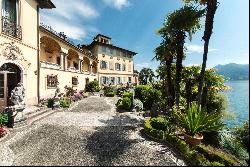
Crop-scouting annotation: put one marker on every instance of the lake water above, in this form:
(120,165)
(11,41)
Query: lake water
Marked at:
(238,102)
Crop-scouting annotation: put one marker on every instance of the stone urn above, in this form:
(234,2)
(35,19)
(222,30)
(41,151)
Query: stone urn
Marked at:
(193,140)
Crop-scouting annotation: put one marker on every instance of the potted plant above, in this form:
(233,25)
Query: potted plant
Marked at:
(3,119)
(196,122)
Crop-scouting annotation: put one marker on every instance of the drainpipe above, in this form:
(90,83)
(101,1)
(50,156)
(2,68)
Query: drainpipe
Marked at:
(38,56)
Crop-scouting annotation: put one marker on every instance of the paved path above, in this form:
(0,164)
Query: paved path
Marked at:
(89,133)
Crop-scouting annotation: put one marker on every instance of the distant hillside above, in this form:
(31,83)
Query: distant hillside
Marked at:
(234,71)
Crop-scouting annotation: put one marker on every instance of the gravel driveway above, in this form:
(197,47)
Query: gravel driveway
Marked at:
(90,133)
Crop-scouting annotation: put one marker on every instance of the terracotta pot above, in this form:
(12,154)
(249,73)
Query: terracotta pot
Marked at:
(193,140)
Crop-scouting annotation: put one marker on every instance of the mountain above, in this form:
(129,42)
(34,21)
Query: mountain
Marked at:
(233,71)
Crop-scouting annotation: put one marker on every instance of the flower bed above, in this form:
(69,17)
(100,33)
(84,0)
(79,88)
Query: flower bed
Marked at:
(199,155)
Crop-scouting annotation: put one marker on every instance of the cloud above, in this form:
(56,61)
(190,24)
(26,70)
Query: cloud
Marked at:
(69,18)
(74,8)
(141,66)
(118,4)
(193,48)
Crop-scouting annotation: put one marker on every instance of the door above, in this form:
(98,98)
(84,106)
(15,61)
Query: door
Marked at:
(3,90)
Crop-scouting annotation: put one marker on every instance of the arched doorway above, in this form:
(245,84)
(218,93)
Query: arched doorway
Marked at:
(10,76)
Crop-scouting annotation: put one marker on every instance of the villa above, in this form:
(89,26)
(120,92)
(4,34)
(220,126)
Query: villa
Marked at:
(41,59)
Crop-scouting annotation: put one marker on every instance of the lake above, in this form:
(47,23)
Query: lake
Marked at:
(238,102)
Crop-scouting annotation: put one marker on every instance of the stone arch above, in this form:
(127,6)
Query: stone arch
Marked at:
(50,50)
(73,59)
(94,67)
(86,64)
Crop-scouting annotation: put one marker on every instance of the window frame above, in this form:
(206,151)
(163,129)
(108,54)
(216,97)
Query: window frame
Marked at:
(52,84)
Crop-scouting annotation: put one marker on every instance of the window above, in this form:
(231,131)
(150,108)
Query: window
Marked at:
(105,80)
(129,79)
(112,80)
(124,67)
(75,81)
(104,65)
(11,18)
(118,80)
(118,67)
(52,81)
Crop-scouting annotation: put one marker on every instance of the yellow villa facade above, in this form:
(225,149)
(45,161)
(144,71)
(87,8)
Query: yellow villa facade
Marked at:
(42,59)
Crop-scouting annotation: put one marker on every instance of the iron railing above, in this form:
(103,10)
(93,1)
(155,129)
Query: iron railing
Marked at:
(11,28)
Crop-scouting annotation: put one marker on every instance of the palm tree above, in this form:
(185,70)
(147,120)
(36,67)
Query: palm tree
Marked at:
(146,76)
(211,7)
(178,24)
(166,54)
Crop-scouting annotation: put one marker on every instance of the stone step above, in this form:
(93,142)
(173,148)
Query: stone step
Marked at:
(40,116)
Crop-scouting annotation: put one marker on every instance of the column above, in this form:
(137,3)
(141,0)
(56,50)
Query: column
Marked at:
(62,61)
(91,69)
(66,62)
(80,65)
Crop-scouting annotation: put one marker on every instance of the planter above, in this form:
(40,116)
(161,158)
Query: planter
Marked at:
(193,140)
(3,132)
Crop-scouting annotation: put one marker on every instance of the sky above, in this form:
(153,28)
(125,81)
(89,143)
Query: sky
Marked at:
(132,25)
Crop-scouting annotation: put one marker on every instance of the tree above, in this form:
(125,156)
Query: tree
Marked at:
(146,76)
(211,7)
(178,24)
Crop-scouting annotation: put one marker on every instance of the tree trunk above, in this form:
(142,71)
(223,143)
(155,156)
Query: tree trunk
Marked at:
(204,97)
(169,85)
(180,55)
(211,10)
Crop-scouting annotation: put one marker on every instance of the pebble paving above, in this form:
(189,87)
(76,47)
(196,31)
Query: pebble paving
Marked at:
(90,133)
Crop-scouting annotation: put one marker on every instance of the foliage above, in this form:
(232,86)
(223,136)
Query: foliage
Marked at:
(110,94)
(195,121)
(148,95)
(242,135)
(3,119)
(216,164)
(77,96)
(92,87)
(121,90)
(65,102)
(69,91)
(217,155)
(146,76)
(129,95)
(124,104)
(161,123)
(109,90)
(138,105)
(50,102)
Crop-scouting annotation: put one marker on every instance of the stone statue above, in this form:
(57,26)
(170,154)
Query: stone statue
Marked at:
(18,95)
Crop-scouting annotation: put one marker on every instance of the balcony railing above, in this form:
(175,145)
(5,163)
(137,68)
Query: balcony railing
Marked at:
(11,28)
(49,65)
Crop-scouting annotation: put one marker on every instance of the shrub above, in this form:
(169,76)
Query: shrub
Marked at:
(77,96)
(110,94)
(120,91)
(92,87)
(242,135)
(128,94)
(3,119)
(148,95)
(65,103)
(195,121)
(51,103)
(137,105)
(124,104)
(216,164)
(69,91)
(160,123)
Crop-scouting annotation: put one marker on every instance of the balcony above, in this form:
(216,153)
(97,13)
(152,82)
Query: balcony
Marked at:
(11,28)
(49,65)
(73,69)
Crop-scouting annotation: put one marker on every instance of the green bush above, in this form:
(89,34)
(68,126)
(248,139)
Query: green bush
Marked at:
(120,91)
(196,122)
(148,95)
(124,104)
(160,123)
(50,103)
(110,94)
(65,103)
(128,94)
(216,164)
(3,119)
(213,154)
(242,135)
(92,87)
(69,91)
